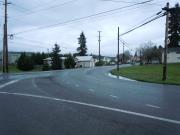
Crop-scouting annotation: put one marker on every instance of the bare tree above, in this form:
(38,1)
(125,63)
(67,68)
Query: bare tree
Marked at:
(150,52)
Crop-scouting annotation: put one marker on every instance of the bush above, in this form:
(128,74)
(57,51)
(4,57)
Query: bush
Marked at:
(99,63)
(46,67)
(69,62)
(25,63)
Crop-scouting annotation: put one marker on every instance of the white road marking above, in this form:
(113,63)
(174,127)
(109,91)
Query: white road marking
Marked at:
(67,82)
(120,77)
(113,96)
(97,106)
(39,89)
(8,83)
(33,83)
(92,90)
(77,85)
(153,106)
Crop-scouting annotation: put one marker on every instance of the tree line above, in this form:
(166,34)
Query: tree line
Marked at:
(28,62)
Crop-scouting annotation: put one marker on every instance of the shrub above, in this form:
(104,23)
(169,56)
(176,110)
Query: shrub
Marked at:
(25,63)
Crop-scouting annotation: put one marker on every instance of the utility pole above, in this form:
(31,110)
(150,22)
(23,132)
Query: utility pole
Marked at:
(140,57)
(5,40)
(123,54)
(48,52)
(166,43)
(99,40)
(118,52)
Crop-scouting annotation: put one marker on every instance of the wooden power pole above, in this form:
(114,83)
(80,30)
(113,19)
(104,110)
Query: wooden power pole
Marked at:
(123,55)
(5,40)
(118,52)
(99,40)
(166,43)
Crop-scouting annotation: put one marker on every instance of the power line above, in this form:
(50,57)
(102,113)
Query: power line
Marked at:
(158,13)
(18,7)
(118,1)
(121,1)
(81,18)
(140,23)
(143,24)
(29,44)
(47,8)
(125,44)
(40,42)
(129,9)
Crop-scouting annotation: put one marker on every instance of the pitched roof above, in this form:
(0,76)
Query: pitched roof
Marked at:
(84,58)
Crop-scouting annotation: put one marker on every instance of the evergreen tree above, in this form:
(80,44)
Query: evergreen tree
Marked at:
(69,62)
(174,27)
(82,49)
(56,60)
(45,67)
(38,58)
(25,62)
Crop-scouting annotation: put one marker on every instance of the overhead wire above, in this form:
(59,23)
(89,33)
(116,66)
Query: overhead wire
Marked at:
(139,26)
(121,1)
(18,7)
(159,16)
(81,18)
(40,42)
(46,8)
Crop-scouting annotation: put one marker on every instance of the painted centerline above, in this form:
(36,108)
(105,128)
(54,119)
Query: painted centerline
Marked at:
(113,96)
(77,85)
(92,90)
(97,106)
(153,106)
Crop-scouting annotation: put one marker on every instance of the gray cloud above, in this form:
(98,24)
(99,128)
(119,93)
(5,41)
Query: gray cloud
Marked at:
(67,35)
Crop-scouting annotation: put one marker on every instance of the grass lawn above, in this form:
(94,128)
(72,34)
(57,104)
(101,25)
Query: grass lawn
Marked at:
(151,73)
(14,69)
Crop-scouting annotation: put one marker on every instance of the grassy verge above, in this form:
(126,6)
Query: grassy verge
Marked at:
(14,69)
(151,73)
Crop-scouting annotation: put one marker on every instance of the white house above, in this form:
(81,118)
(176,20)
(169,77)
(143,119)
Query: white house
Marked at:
(49,61)
(84,62)
(13,57)
(106,59)
(173,55)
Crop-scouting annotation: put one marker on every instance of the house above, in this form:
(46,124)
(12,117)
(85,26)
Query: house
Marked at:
(63,59)
(84,62)
(49,61)
(105,59)
(173,55)
(12,57)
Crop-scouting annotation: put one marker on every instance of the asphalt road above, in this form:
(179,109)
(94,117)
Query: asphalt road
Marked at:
(86,102)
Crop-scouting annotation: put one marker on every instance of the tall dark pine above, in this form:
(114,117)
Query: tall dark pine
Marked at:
(174,27)
(82,49)
(56,60)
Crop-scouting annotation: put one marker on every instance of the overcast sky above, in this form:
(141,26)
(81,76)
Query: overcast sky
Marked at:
(31,14)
